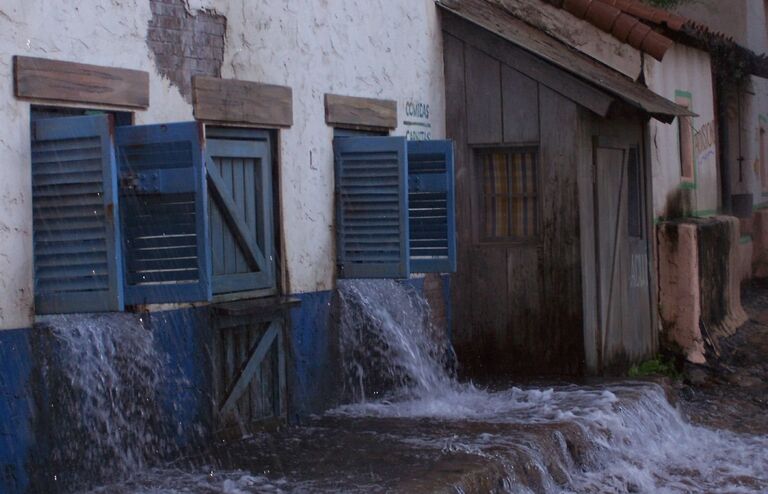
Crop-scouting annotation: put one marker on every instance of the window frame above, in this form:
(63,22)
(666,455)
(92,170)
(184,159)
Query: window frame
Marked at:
(478,210)
(684,99)
(217,131)
(123,118)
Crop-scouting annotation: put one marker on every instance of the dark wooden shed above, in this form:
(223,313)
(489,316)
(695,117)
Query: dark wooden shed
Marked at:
(554,219)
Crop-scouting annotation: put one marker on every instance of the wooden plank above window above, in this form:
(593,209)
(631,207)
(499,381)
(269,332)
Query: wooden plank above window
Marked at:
(363,113)
(43,79)
(242,102)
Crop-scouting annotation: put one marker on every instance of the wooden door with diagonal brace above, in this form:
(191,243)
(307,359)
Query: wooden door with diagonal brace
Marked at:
(240,207)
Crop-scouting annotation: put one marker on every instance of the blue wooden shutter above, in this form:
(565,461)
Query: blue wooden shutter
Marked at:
(240,207)
(371,207)
(163,208)
(74,198)
(431,207)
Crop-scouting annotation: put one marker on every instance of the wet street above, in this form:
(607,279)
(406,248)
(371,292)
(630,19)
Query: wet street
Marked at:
(706,432)
(732,392)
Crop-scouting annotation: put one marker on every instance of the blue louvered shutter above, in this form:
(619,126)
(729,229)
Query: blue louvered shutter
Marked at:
(163,204)
(371,207)
(431,207)
(74,198)
(239,176)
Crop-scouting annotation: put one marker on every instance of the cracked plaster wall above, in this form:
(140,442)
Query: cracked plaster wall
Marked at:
(683,69)
(374,48)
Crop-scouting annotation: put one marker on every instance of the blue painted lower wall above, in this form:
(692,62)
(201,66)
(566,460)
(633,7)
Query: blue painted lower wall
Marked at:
(312,364)
(183,337)
(16,410)
(26,426)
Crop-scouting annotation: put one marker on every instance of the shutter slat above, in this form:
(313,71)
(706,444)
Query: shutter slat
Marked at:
(164,212)
(83,259)
(74,207)
(56,163)
(371,210)
(163,253)
(431,200)
(66,283)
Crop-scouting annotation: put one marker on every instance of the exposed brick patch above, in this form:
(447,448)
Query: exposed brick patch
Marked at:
(185,45)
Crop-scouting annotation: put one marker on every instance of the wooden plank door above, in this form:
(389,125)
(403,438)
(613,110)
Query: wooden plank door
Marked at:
(249,366)
(624,304)
(240,207)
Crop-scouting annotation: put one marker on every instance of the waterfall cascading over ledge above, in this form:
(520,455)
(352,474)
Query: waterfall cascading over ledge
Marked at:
(624,437)
(100,410)
(415,428)
(389,345)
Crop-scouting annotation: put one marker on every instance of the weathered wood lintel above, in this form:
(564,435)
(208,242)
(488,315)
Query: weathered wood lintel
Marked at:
(255,307)
(56,80)
(363,113)
(242,102)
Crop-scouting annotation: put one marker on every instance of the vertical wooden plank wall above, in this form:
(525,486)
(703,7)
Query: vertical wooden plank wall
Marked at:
(456,117)
(588,246)
(561,315)
(517,307)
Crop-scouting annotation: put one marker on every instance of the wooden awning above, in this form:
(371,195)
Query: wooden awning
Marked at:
(490,16)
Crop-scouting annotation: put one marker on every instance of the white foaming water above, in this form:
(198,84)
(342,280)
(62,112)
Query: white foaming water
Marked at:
(103,372)
(617,438)
(172,481)
(637,441)
(389,345)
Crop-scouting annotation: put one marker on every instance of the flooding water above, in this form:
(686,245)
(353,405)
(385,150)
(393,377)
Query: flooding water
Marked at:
(414,428)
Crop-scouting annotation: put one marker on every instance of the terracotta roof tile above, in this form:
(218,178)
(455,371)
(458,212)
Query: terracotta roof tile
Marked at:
(611,17)
(648,13)
(641,26)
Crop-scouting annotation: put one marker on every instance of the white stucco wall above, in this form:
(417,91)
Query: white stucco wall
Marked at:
(684,70)
(746,21)
(373,48)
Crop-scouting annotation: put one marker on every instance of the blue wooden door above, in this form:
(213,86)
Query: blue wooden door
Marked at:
(163,213)
(74,200)
(241,215)
(371,207)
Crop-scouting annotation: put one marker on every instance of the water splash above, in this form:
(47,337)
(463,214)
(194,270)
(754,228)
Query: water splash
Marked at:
(389,345)
(618,437)
(630,438)
(102,373)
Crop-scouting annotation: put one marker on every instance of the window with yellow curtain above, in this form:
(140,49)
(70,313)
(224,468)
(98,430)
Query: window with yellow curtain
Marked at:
(509,189)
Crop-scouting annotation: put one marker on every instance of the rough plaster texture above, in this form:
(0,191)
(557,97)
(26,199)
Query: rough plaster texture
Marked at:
(746,253)
(743,20)
(760,244)
(688,70)
(683,306)
(736,316)
(747,22)
(374,48)
(679,289)
(754,117)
